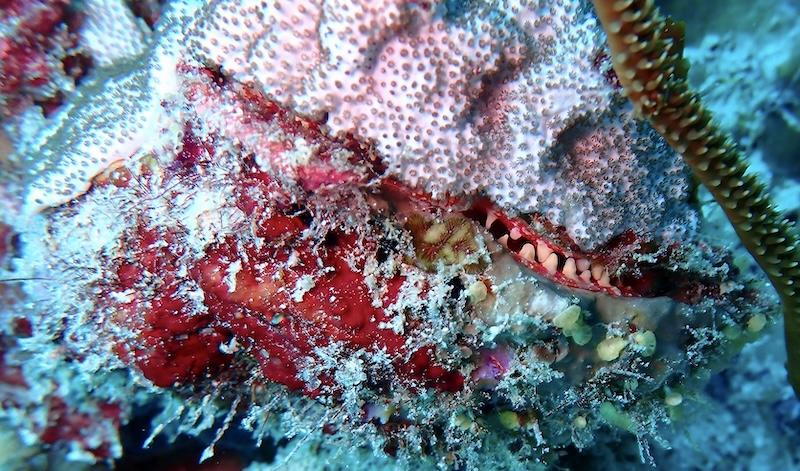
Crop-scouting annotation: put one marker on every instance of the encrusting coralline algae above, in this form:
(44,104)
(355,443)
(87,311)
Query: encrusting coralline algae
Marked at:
(427,231)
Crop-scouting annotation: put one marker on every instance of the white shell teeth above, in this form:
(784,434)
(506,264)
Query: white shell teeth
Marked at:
(543,252)
(528,252)
(551,263)
(597,271)
(604,280)
(575,269)
(570,270)
(582,271)
(490,218)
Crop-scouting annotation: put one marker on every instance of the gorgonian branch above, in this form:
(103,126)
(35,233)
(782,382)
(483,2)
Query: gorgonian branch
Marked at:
(647,54)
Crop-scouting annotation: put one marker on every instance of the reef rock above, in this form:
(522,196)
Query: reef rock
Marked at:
(433,231)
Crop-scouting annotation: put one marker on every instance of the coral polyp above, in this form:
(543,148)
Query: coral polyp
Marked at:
(425,234)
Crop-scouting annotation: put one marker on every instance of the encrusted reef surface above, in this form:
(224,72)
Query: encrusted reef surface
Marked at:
(308,235)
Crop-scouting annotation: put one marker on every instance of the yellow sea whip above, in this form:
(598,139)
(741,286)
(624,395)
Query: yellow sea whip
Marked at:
(647,54)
